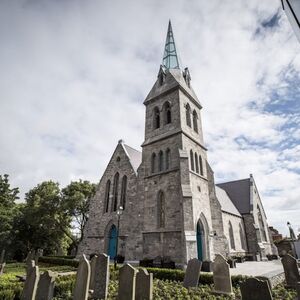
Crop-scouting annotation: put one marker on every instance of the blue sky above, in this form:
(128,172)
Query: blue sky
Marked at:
(74,75)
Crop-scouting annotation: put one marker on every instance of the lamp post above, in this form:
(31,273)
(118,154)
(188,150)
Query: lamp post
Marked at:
(292,234)
(119,213)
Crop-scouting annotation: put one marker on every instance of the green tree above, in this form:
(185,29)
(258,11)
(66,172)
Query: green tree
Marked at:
(8,211)
(75,203)
(45,224)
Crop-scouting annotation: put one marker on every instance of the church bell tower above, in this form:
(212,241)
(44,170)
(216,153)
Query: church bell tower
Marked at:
(173,169)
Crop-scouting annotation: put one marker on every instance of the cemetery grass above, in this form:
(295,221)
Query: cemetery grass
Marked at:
(163,289)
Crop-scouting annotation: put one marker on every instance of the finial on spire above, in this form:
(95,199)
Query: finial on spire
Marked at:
(170,59)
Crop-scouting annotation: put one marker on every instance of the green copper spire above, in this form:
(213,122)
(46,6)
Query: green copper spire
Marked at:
(170,60)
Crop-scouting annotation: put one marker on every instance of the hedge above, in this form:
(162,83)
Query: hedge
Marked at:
(59,261)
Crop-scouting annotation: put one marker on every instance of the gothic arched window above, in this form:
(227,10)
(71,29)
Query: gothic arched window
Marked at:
(188,115)
(192,160)
(153,163)
(242,237)
(261,224)
(196,163)
(167,113)
(161,210)
(231,236)
(107,194)
(123,191)
(160,161)
(156,118)
(201,165)
(168,159)
(195,121)
(115,193)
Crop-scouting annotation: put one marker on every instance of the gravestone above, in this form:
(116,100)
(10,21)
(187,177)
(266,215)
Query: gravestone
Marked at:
(127,281)
(38,254)
(2,268)
(298,290)
(30,257)
(144,285)
(29,267)
(255,289)
(31,283)
(2,257)
(221,274)
(82,283)
(100,276)
(45,289)
(192,273)
(291,271)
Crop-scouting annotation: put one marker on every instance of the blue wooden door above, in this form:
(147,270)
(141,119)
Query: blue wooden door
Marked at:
(199,242)
(112,244)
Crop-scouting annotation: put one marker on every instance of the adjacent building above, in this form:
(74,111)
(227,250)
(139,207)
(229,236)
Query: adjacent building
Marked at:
(171,204)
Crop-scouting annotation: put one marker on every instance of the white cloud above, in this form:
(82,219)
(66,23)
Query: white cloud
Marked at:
(74,75)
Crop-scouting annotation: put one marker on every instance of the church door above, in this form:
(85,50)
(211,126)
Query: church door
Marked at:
(200,235)
(112,242)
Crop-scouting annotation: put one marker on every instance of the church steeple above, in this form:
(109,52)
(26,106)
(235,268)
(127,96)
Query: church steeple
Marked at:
(170,58)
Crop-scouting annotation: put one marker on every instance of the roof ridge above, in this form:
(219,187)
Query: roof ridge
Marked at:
(232,181)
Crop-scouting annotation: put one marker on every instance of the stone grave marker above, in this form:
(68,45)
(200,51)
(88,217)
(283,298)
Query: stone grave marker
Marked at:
(82,283)
(127,281)
(255,289)
(2,257)
(31,283)
(144,285)
(192,273)
(221,275)
(29,266)
(45,289)
(298,290)
(2,266)
(99,276)
(38,254)
(291,271)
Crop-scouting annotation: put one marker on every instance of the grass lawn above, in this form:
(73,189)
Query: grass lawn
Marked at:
(163,289)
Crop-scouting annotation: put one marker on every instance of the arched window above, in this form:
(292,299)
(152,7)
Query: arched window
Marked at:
(160,161)
(123,191)
(195,121)
(261,225)
(196,163)
(201,165)
(116,187)
(161,210)
(107,194)
(168,159)
(156,119)
(167,113)
(231,236)
(192,160)
(188,115)
(242,237)
(153,163)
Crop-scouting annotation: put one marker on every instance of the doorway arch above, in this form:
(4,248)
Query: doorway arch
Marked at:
(202,230)
(112,242)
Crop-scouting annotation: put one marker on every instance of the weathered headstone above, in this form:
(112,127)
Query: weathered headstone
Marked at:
(2,268)
(221,274)
(30,257)
(298,290)
(38,254)
(29,267)
(99,276)
(255,289)
(127,281)
(144,285)
(2,257)
(82,283)
(46,284)
(31,283)
(291,271)
(192,273)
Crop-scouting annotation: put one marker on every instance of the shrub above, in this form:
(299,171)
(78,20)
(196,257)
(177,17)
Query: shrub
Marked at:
(59,261)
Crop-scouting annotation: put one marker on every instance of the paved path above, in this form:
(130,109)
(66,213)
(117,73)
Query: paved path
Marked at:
(258,268)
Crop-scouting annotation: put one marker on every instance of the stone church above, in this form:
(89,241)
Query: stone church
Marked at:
(170,204)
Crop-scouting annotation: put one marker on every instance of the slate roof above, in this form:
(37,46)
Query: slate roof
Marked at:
(226,203)
(239,193)
(134,155)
